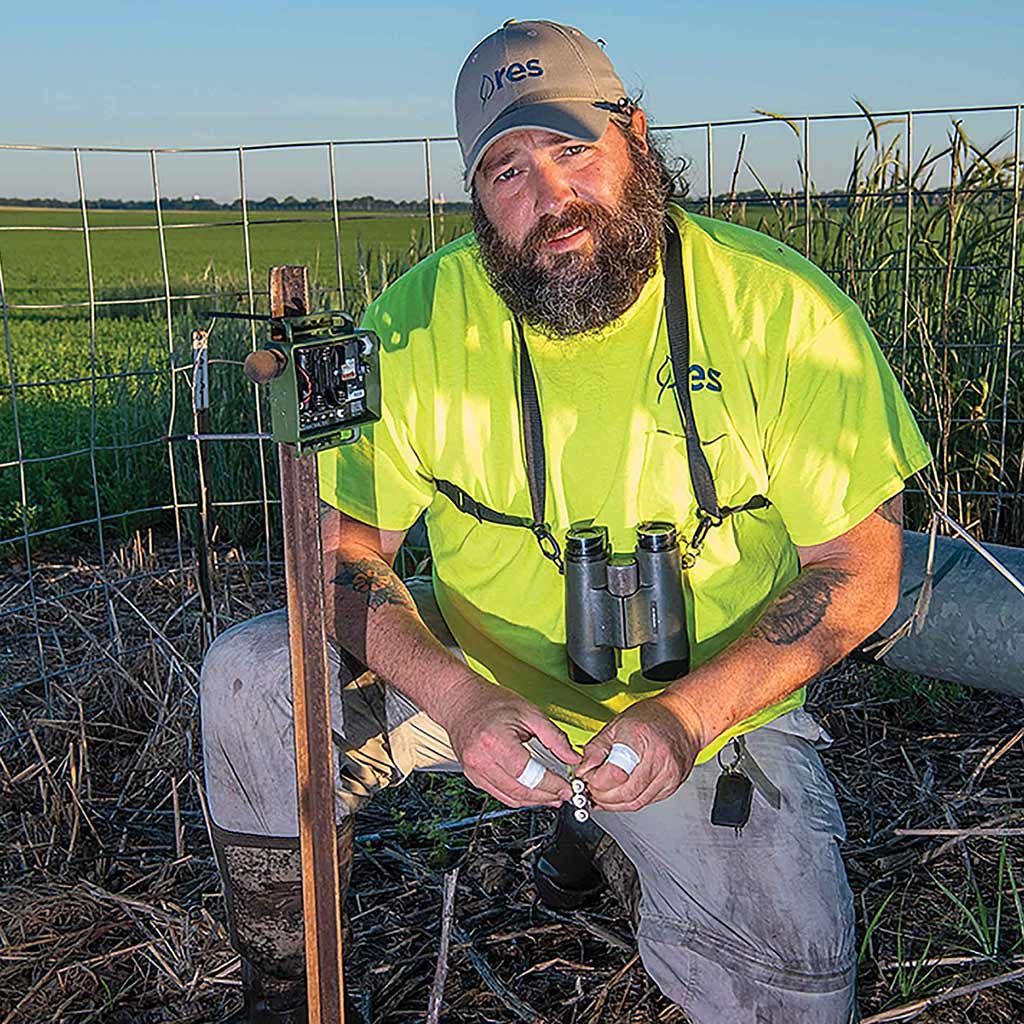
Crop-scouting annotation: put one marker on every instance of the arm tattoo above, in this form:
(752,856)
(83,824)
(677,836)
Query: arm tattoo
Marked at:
(892,510)
(800,608)
(375,581)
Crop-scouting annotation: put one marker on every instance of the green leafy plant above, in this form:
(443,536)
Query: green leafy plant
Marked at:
(982,921)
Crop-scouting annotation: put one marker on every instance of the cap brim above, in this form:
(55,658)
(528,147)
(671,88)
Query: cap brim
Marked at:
(585,120)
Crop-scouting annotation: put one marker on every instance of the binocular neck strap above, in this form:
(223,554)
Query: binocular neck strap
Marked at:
(533,431)
(678,324)
(533,445)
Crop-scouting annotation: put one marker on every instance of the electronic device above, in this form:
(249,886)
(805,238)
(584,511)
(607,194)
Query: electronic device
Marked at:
(322,374)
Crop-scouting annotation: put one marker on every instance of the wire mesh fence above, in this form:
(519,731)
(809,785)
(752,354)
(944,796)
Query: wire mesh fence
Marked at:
(124,448)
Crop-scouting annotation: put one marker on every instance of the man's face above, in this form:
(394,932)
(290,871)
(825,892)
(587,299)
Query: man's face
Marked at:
(532,174)
(569,231)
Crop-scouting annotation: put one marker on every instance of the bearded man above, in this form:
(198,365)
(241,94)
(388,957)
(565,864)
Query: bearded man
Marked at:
(533,382)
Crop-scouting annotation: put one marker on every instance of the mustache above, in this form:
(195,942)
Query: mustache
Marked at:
(550,225)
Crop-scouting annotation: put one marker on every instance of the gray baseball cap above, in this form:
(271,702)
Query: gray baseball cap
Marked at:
(533,74)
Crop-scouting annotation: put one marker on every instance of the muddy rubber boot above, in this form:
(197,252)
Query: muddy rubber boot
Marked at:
(564,873)
(284,1008)
(262,878)
(260,1008)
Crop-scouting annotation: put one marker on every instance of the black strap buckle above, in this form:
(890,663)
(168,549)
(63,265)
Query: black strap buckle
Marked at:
(751,505)
(465,503)
(460,499)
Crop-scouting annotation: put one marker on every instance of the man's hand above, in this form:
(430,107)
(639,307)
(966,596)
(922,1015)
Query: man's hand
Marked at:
(667,735)
(487,726)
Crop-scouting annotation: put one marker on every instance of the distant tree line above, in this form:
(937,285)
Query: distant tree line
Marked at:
(372,204)
(366,204)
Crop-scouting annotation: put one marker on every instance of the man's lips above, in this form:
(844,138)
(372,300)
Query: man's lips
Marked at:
(569,239)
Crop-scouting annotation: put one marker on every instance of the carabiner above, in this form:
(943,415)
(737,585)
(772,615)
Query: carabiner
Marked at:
(548,545)
(706,522)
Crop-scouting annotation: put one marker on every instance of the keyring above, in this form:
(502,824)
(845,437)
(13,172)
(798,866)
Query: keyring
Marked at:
(736,752)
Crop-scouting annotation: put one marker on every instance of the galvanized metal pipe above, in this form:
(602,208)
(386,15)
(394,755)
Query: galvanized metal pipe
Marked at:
(973,631)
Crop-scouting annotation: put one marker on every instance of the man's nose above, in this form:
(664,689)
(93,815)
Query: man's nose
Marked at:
(553,190)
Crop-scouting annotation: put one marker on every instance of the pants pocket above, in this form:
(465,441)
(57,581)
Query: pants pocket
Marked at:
(787,751)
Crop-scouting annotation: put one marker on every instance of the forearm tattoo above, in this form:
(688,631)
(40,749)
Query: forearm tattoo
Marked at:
(375,581)
(892,510)
(801,607)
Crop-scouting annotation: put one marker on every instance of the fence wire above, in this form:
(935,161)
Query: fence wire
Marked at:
(940,288)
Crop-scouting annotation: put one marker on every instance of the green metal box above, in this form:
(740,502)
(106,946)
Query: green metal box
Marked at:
(328,380)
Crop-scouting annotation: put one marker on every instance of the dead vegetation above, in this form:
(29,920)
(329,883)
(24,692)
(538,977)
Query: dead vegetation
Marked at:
(110,907)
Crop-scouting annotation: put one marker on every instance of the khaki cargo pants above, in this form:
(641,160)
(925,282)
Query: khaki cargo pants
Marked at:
(749,928)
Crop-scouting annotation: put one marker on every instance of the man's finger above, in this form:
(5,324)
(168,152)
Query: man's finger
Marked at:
(607,778)
(611,795)
(536,779)
(623,746)
(511,794)
(554,785)
(660,785)
(616,799)
(595,753)
(545,793)
(531,775)
(621,800)
(553,738)
(555,795)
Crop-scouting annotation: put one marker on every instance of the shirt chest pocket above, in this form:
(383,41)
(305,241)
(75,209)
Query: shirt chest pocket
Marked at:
(665,490)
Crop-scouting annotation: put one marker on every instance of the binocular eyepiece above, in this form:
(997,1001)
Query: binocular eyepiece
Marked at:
(616,601)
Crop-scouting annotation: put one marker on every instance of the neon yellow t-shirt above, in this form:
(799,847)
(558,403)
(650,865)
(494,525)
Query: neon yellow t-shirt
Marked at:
(792,400)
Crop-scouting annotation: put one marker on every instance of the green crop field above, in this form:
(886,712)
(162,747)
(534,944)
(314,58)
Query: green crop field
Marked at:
(49,266)
(946,336)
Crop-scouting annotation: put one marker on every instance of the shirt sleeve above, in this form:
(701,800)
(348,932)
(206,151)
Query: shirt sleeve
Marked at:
(840,437)
(382,479)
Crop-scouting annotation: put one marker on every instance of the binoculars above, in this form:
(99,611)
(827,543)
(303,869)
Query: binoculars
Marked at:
(616,601)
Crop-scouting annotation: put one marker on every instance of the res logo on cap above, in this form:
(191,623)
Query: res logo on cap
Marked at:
(514,72)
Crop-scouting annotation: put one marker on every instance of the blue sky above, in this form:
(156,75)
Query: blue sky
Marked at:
(197,74)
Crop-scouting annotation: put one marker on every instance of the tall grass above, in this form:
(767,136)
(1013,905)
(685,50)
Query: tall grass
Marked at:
(935,287)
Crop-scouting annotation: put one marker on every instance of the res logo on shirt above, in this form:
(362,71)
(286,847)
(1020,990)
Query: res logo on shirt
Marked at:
(514,72)
(701,378)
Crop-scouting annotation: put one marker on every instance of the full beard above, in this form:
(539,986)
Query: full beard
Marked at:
(578,292)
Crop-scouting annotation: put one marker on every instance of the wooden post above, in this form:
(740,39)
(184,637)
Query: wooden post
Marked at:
(289,296)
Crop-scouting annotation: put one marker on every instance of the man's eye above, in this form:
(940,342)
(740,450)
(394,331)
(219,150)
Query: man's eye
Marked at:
(507,175)
(573,150)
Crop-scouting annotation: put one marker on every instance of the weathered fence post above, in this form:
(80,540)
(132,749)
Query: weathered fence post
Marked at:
(289,296)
